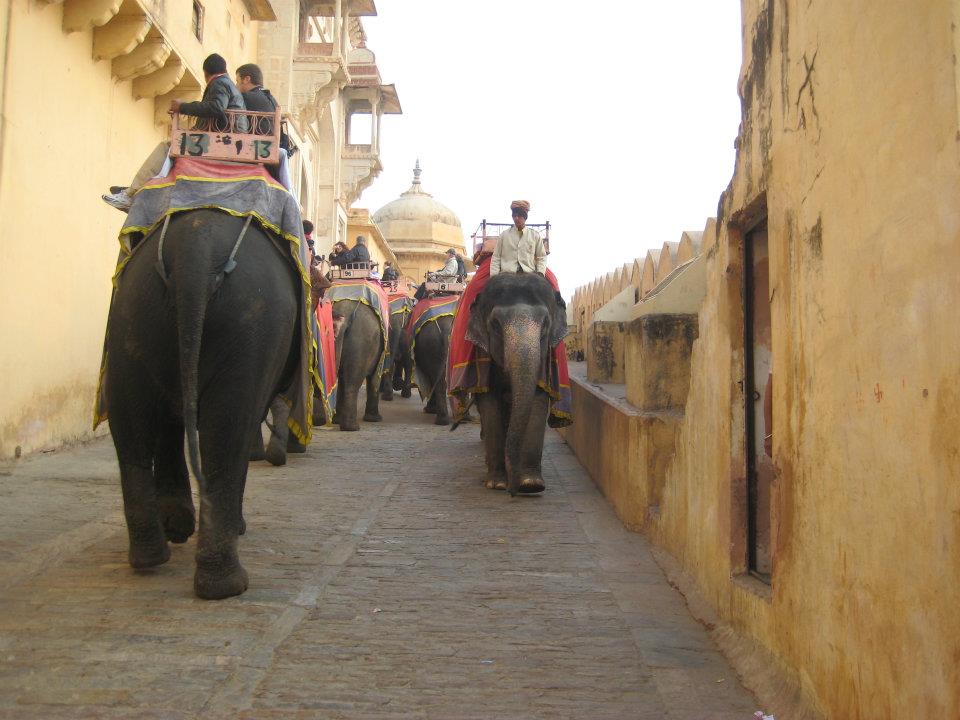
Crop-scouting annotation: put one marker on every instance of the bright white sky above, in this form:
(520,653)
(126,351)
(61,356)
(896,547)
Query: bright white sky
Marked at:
(617,125)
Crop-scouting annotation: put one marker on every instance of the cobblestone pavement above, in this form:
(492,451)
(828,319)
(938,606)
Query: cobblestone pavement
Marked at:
(385,582)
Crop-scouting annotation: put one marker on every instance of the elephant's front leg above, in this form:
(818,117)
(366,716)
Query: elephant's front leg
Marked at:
(174,497)
(441,403)
(493,427)
(529,467)
(372,410)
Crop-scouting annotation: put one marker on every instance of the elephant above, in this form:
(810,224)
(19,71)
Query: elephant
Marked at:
(359,343)
(518,319)
(401,363)
(430,357)
(197,348)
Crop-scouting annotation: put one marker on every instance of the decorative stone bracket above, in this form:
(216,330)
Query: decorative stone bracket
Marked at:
(357,175)
(317,82)
(126,34)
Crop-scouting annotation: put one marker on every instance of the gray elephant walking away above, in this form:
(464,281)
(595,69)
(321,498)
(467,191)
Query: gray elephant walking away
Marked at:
(430,359)
(199,352)
(359,341)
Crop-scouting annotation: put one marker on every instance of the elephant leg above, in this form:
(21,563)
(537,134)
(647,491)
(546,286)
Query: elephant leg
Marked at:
(256,442)
(386,382)
(276,453)
(219,573)
(407,382)
(135,431)
(492,427)
(440,399)
(530,472)
(347,406)
(174,497)
(371,412)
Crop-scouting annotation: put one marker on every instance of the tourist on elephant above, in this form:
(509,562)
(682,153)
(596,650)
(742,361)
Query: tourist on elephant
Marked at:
(390,273)
(258,98)
(519,249)
(448,270)
(358,253)
(219,96)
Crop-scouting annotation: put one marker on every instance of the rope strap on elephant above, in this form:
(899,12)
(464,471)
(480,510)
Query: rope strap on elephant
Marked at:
(246,191)
(468,367)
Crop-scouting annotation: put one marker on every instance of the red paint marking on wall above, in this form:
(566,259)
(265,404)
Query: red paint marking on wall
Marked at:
(878,393)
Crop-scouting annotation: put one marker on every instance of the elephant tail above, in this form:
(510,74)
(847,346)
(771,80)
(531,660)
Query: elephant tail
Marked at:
(191,295)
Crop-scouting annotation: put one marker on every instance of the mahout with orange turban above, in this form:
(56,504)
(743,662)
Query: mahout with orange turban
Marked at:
(521,205)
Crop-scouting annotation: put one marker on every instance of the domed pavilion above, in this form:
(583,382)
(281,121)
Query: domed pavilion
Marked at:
(419,229)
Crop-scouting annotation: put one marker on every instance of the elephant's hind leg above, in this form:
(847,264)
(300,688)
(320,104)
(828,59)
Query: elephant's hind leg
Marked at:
(174,498)
(148,543)
(372,410)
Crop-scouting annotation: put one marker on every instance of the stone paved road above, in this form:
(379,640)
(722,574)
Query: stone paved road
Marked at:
(384,584)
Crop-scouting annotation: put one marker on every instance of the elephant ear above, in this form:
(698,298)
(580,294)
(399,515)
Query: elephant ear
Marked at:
(558,320)
(477,327)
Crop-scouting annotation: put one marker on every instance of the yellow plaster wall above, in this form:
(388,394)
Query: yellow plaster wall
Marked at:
(860,166)
(850,140)
(70,130)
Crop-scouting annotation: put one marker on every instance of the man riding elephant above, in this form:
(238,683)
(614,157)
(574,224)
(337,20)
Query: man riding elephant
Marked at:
(507,353)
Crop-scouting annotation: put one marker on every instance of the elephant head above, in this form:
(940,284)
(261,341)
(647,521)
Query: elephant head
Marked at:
(518,319)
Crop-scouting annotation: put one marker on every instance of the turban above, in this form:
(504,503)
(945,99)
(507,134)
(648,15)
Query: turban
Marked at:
(520,205)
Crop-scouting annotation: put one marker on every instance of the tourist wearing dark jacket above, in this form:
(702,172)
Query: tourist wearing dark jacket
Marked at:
(219,96)
(358,253)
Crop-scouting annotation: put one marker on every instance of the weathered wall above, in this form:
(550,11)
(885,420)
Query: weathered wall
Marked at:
(850,155)
(70,130)
(605,358)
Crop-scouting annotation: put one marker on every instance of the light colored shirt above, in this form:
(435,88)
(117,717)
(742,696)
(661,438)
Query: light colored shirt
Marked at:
(450,268)
(517,250)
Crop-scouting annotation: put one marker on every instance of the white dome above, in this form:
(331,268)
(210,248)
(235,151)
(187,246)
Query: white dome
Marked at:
(416,205)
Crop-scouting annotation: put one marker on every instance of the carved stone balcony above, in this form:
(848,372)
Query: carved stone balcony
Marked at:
(318,76)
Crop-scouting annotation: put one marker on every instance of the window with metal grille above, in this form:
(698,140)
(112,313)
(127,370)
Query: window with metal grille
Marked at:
(198,20)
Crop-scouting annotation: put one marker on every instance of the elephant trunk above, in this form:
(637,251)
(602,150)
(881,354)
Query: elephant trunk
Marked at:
(521,351)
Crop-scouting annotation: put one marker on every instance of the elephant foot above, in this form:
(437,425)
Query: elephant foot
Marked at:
(178,517)
(405,393)
(526,485)
(441,420)
(372,417)
(210,584)
(148,554)
(495,481)
(276,452)
(349,427)
(295,446)
(386,396)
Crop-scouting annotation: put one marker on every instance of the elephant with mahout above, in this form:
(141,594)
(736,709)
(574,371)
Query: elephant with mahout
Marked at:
(430,359)
(398,375)
(359,343)
(518,319)
(196,348)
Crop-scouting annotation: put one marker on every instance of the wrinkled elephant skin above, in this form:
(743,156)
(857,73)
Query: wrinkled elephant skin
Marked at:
(192,350)
(518,319)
